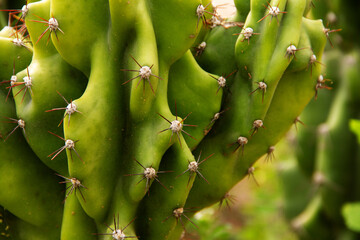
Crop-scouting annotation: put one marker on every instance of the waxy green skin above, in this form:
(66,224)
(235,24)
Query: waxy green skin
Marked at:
(124,125)
(199,96)
(39,197)
(22,230)
(218,56)
(333,164)
(91,21)
(45,71)
(312,222)
(296,186)
(21,55)
(103,84)
(75,223)
(271,56)
(316,113)
(340,179)
(331,156)
(172,48)
(258,145)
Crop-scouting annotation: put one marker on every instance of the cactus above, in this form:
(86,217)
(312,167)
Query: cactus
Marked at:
(331,165)
(144,111)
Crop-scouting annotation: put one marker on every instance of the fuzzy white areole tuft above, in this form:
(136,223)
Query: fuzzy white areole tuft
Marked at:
(242,140)
(24,11)
(53,24)
(145,72)
(221,81)
(71,108)
(176,126)
(27,81)
(21,123)
(313,58)
(291,50)
(69,144)
(150,173)
(262,85)
(13,80)
(258,124)
(200,10)
(193,166)
(248,32)
(274,11)
(118,234)
(178,212)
